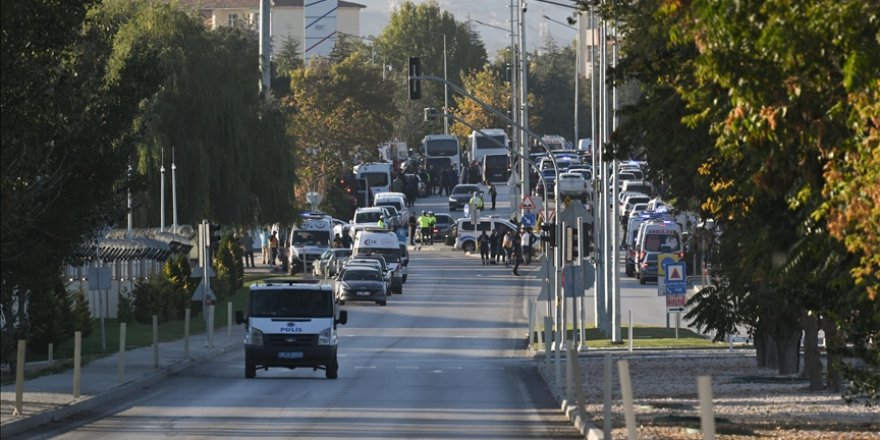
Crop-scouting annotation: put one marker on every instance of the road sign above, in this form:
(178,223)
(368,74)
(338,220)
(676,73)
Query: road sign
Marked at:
(567,200)
(662,261)
(199,272)
(201,291)
(675,277)
(529,220)
(527,203)
(675,303)
(99,278)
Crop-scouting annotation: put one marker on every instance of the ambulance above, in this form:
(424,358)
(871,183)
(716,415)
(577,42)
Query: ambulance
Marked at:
(375,241)
(308,241)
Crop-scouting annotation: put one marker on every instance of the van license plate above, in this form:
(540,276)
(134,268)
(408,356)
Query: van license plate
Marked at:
(290,355)
(362,293)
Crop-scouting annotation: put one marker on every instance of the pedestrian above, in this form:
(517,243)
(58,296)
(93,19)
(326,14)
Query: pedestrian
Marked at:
(528,240)
(264,245)
(483,242)
(346,241)
(247,248)
(432,220)
(425,227)
(493,193)
(444,181)
(494,244)
(507,247)
(411,190)
(516,254)
(475,205)
(337,241)
(273,247)
(412,228)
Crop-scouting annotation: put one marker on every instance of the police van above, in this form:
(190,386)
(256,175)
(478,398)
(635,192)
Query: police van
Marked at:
(308,241)
(466,235)
(291,323)
(375,241)
(655,237)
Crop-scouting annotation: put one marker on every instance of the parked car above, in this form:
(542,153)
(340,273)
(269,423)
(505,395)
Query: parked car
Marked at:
(324,266)
(461,195)
(441,228)
(466,233)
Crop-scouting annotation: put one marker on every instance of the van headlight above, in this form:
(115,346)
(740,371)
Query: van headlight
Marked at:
(324,337)
(255,337)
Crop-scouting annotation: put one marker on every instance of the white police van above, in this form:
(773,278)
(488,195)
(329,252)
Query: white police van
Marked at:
(466,235)
(375,241)
(308,241)
(291,323)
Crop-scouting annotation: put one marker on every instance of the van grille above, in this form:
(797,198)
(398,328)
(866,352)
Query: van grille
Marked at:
(293,340)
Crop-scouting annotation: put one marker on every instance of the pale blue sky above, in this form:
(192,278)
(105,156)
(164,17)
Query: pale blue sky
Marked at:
(496,12)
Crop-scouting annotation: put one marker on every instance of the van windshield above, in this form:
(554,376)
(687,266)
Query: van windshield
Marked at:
(284,303)
(662,243)
(375,178)
(367,217)
(310,238)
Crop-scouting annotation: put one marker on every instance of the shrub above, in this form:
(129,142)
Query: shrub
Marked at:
(81,316)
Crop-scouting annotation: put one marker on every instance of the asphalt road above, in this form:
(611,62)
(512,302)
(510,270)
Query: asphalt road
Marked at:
(445,360)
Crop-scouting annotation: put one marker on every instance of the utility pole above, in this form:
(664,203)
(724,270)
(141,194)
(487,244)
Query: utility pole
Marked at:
(524,100)
(445,91)
(265,48)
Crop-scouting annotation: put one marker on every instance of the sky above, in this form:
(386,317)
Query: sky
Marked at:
(377,13)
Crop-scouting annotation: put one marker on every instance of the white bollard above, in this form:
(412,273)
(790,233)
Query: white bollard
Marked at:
(51,354)
(210,341)
(121,352)
(570,359)
(531,323)
(548,337)
(19,377)
(77,362)
(707,412)
(606,422)
(155,341)
(626,393)
(677,323)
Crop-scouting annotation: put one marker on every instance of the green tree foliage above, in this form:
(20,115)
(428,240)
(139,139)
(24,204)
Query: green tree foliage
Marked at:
(772,104)
(177,271)
(230,267)
(81,316)
(50,318)
(417,30)
(68,104)
(487,86)
(335,119)
(287,59)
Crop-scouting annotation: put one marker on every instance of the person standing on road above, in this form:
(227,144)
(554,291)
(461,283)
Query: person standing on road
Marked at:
(264,245)
(507,247)
(516,255)
(484,242)
(494,244)
(493,193)
(476,204)
(431,222)
(346,241)
(247,248)
(528,240)
(424,227)
(273,247)
(412,228)
(444,181)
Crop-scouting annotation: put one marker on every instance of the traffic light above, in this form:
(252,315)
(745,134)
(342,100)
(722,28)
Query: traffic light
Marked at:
(414,85)
(214,234)
(548,234)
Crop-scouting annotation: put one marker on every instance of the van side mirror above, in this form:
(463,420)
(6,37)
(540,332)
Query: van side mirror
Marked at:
(343,317)
(239,317)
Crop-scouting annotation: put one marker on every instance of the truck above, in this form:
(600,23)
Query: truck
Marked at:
(308,240)
(291,323)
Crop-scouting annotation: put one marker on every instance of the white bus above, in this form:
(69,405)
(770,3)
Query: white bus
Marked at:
(441,151)
(479,145)
(377,175)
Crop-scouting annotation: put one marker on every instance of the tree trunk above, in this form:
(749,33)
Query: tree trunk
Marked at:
(788,344)
(812,364)
(832,347)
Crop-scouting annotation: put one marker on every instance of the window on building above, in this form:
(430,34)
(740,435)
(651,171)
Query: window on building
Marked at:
(233,20)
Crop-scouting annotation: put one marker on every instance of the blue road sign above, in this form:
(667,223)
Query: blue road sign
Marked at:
(676,277)
(528,220)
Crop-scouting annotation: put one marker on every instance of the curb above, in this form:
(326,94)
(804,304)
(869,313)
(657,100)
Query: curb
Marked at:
(576,414)
(84,404)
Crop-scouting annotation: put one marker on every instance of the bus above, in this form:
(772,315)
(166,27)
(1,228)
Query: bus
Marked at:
(441,151)
(376,175)
(479,145)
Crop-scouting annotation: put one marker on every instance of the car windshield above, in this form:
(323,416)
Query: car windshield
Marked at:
(367,217)
(291,303)
(469,189)
(375,178)
(389,204)
(361,275)
(310,238)
(391,255)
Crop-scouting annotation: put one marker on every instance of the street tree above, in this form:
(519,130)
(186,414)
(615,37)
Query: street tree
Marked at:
(336,121)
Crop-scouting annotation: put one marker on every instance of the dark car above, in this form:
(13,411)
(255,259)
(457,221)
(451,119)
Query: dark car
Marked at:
(461,195)
(361,283)
(441,228)
(646,270)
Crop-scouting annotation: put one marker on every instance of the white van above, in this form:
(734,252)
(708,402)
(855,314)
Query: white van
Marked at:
(395,199)
(308,240)
(386,244)
(291,323)
(658,237)
(377,175)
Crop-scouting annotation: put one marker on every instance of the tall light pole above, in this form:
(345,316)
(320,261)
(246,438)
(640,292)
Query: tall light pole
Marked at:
(265,48)
(577,67)
(445,90)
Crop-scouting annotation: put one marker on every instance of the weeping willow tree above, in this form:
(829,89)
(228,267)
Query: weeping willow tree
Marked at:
(233,157)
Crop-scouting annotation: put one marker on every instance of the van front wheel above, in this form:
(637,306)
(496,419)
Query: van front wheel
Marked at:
(469,246)
(331,371)
(250,368)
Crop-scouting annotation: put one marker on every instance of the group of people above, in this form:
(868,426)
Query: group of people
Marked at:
(511,248)
(425,222)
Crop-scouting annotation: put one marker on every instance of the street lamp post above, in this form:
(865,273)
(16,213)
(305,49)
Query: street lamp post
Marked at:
(577,67)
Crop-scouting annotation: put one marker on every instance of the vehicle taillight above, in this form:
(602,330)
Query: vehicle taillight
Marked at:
(681,256)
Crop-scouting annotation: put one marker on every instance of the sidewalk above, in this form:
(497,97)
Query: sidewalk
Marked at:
(50,398)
